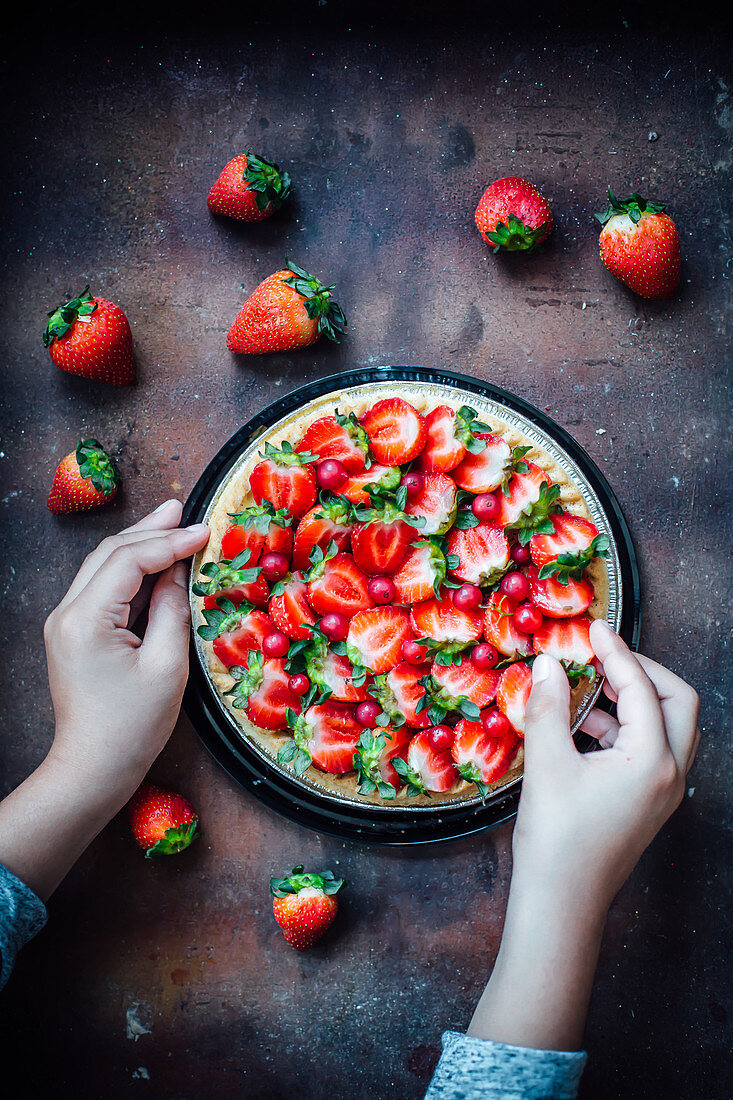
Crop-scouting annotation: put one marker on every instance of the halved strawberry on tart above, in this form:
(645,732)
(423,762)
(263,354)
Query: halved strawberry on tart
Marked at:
(379,579)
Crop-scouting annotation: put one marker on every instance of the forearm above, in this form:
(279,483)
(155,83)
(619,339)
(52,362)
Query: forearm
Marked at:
(540,987)
(49,820)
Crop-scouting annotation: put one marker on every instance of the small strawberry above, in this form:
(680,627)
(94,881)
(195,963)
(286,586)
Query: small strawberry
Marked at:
(163,822)
(569,641)
(480,758)
(85,479)
(436,503)
(513,215)
(482,552)
(512,694)
(329,521)
(445,628)
(289,608)
(422,573)
(234,631)
(263,691)
(500,630)
(290,309)
(528,501)
(332,672)
(249,189)
(557,599)
(376,636)
(383,478)
(639,244)
(324,735)
(570,548)
(305,905)
(397,432)
(338,437)
(450,435)
(381,540)
(233,580)
(285,479)
(426,769)
(91,337)
(375,751)
(453,684)
(482,471)
(401,696)
(335,583)
(261,529)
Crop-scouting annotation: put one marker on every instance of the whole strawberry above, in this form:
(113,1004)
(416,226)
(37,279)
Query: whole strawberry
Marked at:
(163,822)
(513,215)
(290,309)
(249,189)
(639,244)
(305,905)
(91,337)
(85,479)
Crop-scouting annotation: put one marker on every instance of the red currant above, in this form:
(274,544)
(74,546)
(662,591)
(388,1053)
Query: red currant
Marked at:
(527,618)
(335,626)
(275,644)
(274,565)
(440,738)
(486,507)
(381,589)
(484,656)
(495,723)
(299,683)
(520,554)
(468,597)
(367,713)
(413,652)
(331,474)
(414,483)
(515,586)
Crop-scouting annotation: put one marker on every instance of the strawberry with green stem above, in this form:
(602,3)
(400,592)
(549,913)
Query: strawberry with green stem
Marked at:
(262,690)
(376,481)
(289,608)
(481,552)
(328,521)
(568,640)
(444,629)
(450,435)
(373,760)
(261,529)
(512,215)
(569,549)
(234,631)
(335,583)
(480,758)
(423,572)
(285,478)
(557,598)
(91,336)
(249,189)
(339,437)
(86,478)
(381,538)
(482,471)
(327,667)
(499,628)
(639,244)
(401,694)
(305,905)
(163,822)
(234,580)
(325,735)
(375,639)
(462,688)
(425,768)
(435,504)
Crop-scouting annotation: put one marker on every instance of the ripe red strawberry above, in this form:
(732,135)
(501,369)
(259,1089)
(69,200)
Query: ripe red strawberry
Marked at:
(426,769)
(399,693)
(325,735)
(479,758)
(339,437)
(513,215)
(436,504)
(234,631)
(262,690)
(305,905)
(337,584)
(482,552)
(163,822)
(380,543)
(85,479)
(569,641)
(373,759)
(354,489)
(558,600)
(261,530)
(290,309)
(422,572)
(375,638)
(455,682)
(289,608)
(449,629)
(285,479)
(482,472)
(231,580)
(327,522)
(639,244)
(571,535)
(450,435)
(512,694)
(397,432)
(500,630)
(91,337)
(528,501)
(333,672)
(249,189)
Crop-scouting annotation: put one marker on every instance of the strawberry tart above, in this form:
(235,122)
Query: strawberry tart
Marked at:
(384,565)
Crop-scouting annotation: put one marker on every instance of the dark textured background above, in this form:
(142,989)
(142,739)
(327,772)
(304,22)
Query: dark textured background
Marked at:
(391,130)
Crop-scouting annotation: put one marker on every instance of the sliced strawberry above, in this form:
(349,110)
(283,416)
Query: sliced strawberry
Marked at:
(373,759)
(337,584)
(500,630)
(375,638)
(422,573)
(520,496)
(399,693)
(443,449)
(285,478)
(262,690)
(436,504)
(449,629)
(482,472)
(397,432)
(340,437)
(512,694)
(333,672)
(568,640)
(571,534)
(479,758)
(256,592)
(327,735)
(289,608)
(465,681)
(381,541)
(234,580)
(384,477)
(238,633)
(426,769)
(482,552)
(328,522)
(559,601)
(259,529)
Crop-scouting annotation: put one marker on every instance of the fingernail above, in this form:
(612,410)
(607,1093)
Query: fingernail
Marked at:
(540,668)
(165,505)
(197,529)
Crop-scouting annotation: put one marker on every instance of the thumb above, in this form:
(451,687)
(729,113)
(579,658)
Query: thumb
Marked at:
(169,619)
(547,724)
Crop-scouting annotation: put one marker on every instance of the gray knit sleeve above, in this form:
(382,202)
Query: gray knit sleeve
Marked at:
(22,915)
(477,1069)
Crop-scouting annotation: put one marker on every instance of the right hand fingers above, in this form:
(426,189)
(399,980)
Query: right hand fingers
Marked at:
(680,705)
(639,713)
(547,729)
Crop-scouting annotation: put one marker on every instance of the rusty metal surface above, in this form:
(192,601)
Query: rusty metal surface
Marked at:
(390,135)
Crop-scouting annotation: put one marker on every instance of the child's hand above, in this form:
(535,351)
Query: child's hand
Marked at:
(116,698)
(584,820)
